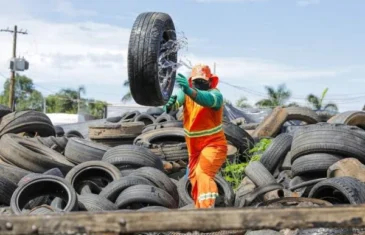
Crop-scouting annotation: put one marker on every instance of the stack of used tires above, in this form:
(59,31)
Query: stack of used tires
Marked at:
(44,170)
(317,164)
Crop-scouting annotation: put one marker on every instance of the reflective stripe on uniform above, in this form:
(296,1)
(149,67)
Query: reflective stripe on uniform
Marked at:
(212,131)
(207,196)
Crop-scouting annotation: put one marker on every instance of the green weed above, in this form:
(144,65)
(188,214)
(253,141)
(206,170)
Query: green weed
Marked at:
(234,172)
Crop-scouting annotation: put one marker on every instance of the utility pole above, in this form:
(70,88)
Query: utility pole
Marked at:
(12,75)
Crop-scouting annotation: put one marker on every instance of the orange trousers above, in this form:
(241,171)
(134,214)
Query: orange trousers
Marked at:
(203,166)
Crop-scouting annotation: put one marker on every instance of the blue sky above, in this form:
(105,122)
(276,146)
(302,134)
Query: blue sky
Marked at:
(307,44)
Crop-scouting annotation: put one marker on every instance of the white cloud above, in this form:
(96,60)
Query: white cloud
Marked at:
(88,53)
(67,8)
(241,70)
(304,3)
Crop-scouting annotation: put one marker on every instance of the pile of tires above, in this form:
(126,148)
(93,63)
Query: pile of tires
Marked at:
(44,170)
(319,164)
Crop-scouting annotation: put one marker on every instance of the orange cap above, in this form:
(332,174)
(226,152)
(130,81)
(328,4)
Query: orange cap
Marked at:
(203,71)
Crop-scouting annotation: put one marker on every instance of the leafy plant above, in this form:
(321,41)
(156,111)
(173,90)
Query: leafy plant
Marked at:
(318,104)
(234,172)
(275,97)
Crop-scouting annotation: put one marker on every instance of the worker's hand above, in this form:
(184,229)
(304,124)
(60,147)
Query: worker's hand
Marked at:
(184,84)
(170,103)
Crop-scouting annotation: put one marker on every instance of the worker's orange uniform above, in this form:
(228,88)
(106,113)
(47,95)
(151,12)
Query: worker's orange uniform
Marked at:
(207,146)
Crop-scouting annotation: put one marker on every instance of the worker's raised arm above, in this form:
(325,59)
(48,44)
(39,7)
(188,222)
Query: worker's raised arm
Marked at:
(211,98)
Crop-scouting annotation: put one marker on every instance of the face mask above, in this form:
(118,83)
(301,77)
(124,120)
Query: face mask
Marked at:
(201,85)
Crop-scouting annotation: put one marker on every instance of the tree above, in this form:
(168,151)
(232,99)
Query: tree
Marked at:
(25,95)
(317,102)
(128,95)
(277,97)
(242,102)
(66,101)
(96,108)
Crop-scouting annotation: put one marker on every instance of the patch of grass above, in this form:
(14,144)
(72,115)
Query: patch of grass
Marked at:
(234,172)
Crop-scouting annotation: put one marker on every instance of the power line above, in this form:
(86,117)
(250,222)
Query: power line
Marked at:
(12,77)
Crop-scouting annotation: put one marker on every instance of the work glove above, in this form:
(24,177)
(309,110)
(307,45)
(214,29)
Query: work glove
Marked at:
(170,103)
(182,81)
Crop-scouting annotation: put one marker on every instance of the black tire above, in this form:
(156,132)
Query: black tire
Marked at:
(102,173)
(130,116)
(28,177)
(302,114)
(326,231)
(7,189)
(56,143)
(353,118)
(155,111)
(4,110)
(42,210)
(80,150)
(12,173)
(92,202)
(143,56)
(164,118)
(238,137)
(114,119)
(145,194)
(132,156)
(225,198)
(31,156)
(145,118)
(30,122)
(113,190)
(250,126)
(276,152)
(74,133)
(347,190)
(258,174)
(159,179)
(126,172)
(162,125)
(44,185)
(314,163)
(349,141)
(167,143)
(59,131)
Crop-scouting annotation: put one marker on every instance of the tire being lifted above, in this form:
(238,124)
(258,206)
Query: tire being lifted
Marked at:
(150,32)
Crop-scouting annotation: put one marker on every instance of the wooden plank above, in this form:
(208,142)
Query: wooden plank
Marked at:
(272,123)
(189,220)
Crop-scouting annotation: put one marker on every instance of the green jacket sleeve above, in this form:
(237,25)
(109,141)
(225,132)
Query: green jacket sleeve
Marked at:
(212,98)
(180,100)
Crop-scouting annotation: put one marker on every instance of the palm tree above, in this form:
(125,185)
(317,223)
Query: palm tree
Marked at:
(317,102)
(276,97)
(128,95)
(242,102)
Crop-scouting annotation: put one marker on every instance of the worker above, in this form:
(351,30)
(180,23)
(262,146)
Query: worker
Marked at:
(202,119)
